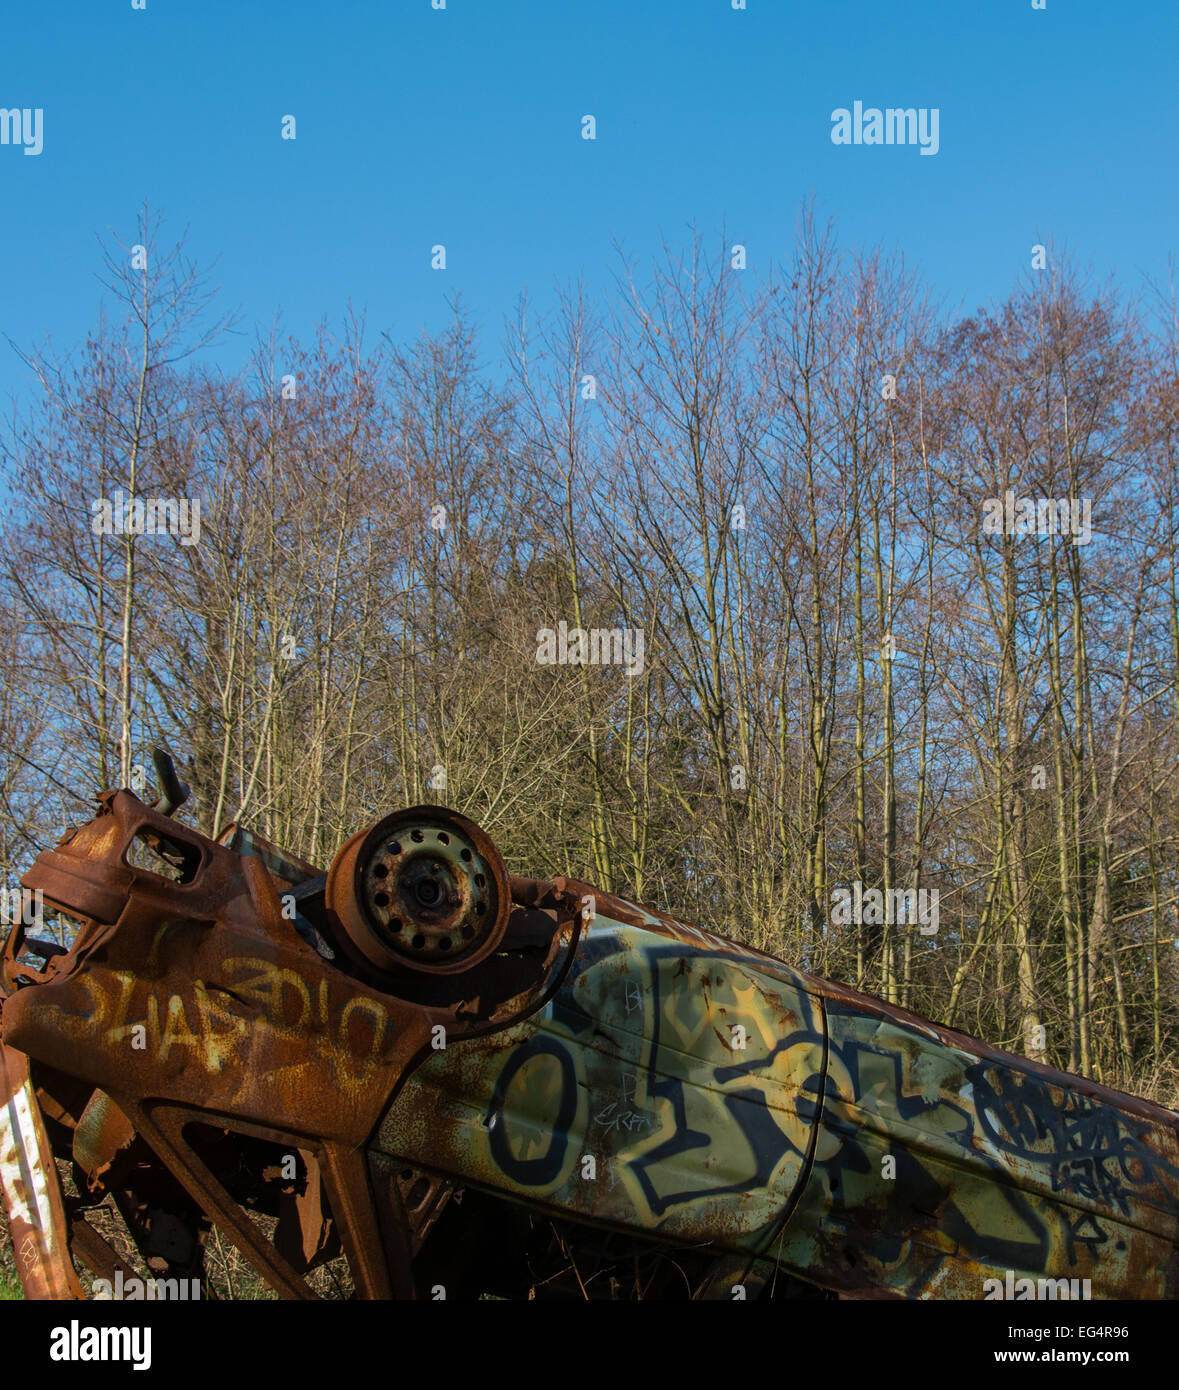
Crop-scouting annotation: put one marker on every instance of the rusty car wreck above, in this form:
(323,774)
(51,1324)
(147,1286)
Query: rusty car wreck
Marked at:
(467,1083)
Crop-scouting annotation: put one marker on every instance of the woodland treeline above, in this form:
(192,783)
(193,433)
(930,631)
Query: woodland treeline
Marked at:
(780,481)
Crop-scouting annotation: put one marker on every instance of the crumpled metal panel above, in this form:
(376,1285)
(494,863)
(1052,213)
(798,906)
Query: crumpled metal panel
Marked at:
(851,1143)
(661,1089)
(999,1167)
(31,1188)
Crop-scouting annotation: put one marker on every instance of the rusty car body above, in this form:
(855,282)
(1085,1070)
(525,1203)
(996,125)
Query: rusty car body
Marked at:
(466,1083)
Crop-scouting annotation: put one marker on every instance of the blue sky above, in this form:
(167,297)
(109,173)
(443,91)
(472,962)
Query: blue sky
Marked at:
(463,127)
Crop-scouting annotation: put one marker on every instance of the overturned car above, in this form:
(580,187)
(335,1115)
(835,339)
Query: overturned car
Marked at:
(467,1083)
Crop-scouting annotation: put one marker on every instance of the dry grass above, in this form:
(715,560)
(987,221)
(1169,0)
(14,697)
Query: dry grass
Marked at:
(1159,1084)
(9,1284)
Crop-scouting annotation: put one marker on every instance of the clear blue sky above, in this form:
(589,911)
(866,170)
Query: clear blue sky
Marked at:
(463,127)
